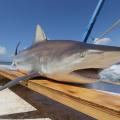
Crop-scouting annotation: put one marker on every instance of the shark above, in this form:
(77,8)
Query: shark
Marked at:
(66,61)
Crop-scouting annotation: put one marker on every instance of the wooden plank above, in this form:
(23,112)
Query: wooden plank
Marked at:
(92,109)
(97,104)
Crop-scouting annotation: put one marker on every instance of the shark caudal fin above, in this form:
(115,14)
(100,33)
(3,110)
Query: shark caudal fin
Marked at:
(39,35)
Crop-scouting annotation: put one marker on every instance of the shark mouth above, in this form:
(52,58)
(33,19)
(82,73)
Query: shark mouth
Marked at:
(89,73)
(111,74)
(107,80)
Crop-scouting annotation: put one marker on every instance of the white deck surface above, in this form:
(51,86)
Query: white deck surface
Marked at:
(10,103)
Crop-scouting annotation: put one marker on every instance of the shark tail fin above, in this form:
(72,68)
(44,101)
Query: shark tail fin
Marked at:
(39,35)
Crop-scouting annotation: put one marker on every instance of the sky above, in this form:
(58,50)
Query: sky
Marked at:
(60,19)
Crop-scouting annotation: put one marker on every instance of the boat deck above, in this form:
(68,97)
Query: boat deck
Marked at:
(89,99)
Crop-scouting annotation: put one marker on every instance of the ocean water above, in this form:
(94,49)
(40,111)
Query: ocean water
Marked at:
(5,63)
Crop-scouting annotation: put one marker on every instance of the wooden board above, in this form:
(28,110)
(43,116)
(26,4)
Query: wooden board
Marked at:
(97,104)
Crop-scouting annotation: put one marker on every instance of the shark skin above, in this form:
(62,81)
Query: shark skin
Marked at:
(65,60)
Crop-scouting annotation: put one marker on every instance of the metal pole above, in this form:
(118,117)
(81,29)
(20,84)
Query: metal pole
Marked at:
(93,20)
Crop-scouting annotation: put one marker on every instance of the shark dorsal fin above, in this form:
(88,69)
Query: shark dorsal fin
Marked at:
(39,35)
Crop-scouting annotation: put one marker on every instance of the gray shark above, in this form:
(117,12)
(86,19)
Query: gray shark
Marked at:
(63,60)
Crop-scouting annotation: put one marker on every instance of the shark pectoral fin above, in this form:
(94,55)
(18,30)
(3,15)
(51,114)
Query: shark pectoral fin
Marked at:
(39,35)
(19,79)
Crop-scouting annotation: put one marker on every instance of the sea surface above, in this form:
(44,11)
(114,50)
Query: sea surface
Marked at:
(5,63)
